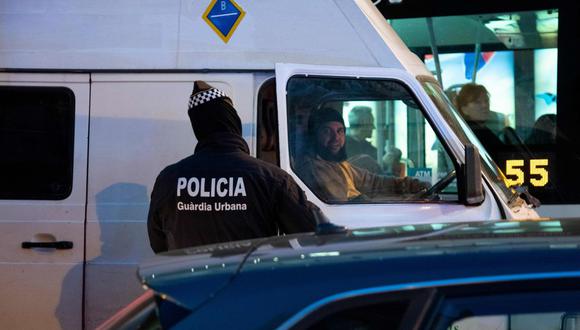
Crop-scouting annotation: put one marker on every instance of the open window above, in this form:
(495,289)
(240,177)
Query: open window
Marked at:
(386,138)
(268,146)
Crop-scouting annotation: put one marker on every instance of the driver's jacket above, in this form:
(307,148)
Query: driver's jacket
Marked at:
(341,181)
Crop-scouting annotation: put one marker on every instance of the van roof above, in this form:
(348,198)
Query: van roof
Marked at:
(172,35)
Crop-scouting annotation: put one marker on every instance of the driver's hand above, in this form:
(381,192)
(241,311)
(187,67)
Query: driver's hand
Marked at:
(409,185)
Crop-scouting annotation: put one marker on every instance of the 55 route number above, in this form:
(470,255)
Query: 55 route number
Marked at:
(538,172)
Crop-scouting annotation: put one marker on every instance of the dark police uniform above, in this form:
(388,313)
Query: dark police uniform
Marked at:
(221,193)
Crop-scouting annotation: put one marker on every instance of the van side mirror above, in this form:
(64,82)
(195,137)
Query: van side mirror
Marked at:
(472,188)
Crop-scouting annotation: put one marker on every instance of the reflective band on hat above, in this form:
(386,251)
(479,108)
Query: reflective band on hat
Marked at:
(205,96)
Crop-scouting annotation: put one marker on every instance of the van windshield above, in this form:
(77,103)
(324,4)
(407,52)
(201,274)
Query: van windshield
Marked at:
(491,171)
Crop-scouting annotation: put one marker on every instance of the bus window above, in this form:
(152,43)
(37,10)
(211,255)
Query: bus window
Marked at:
(514,57)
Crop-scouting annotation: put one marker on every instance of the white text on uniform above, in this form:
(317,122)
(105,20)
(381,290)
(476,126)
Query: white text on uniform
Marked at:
(202,187)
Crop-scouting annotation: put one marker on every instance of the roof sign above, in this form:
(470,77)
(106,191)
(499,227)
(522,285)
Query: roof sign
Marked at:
(223,16)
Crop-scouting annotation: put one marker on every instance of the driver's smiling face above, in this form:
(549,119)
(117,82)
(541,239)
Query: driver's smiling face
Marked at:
(331,137)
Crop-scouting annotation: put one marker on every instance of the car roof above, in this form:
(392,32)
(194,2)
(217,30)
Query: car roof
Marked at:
(318,266)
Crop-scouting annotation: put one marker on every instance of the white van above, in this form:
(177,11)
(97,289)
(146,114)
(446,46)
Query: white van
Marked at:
(93,104)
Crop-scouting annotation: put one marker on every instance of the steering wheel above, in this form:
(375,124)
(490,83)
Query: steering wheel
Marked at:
(436,188)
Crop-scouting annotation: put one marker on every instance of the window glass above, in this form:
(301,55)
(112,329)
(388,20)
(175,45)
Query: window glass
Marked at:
(268,147)
(457,70)
(36,142)
(512,322)
(512,305)
(372,316)
(545,84)
(364,141)
(500,72)
(460,127)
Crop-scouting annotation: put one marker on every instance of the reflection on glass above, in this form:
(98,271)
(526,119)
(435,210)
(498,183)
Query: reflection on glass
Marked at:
(515,322)
(465,134)
(364,141)
(514,55)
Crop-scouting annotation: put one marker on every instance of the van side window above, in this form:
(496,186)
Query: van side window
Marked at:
(383,134)
(36,142)
(268,146)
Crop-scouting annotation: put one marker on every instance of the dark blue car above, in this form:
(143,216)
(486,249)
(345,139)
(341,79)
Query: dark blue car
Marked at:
(488,275)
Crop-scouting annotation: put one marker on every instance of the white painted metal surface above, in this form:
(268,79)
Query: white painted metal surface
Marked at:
(42,288)
(139,125)
(134,34)
(559,211)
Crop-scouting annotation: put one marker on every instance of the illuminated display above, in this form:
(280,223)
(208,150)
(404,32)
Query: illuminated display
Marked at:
(538,174)
(531,159)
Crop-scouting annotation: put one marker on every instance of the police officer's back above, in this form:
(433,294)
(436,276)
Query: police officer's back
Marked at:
(221,193)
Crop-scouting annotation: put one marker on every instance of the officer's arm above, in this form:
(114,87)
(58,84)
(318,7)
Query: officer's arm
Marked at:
(157,238)
(295,212)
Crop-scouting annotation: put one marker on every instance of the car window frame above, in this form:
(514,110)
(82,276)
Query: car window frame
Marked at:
(424,113)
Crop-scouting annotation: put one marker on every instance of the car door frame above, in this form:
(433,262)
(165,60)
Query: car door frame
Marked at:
(382,214)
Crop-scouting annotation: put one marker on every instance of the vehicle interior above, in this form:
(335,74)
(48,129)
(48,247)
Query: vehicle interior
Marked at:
(399,139)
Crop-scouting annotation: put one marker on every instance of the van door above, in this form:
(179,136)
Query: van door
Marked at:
(43,143)
(392,130)
(139,125)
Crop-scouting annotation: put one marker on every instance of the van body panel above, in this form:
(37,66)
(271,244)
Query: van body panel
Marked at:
(561,211)
(46,281)
(114,249)
(41,295)
(139,125)
(371,215)
(135,35)
(101,301)
(371,24)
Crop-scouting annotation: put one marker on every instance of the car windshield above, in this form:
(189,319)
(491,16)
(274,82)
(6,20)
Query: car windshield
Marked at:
(491,171)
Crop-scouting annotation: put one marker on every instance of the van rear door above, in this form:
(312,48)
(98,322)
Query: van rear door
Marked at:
(43,143)
(402,138)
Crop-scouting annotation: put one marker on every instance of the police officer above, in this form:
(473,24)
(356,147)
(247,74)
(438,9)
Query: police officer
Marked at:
(221,193)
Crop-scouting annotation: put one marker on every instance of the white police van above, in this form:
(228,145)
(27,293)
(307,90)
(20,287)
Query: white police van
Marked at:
(93,105)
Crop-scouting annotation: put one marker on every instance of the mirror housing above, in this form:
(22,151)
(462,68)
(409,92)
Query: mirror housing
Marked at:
(471,188)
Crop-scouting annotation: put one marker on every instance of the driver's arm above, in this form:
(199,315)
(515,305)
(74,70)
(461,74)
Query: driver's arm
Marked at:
(374,185)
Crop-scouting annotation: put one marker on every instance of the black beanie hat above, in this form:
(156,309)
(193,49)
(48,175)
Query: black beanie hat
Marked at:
(211,111)
(316,120)
(322,116)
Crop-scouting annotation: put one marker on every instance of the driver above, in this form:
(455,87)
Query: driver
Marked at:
(326,170)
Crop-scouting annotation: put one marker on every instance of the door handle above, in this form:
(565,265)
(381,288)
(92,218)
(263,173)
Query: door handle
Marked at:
(61,245)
